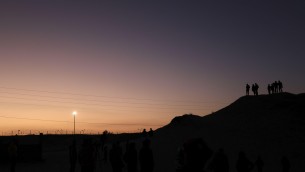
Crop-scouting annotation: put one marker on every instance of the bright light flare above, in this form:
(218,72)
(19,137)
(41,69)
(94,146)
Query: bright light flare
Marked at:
(74,113)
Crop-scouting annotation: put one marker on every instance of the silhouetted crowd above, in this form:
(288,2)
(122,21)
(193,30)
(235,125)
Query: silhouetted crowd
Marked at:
(275,87)
(132,160)
(254,89)
(194,155)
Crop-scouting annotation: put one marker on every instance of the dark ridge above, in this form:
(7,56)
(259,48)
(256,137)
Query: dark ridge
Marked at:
(185,119)
(275,104)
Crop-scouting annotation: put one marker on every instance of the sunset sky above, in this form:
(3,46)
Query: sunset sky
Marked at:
(128,65)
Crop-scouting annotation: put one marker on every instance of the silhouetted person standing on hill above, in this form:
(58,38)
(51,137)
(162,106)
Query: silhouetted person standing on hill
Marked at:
(253,89)
(272,88)
(269,89)
(131,158)
(146,157)
(72,156)
(259,163)
(13,154)
(280,86)
(220,162)
(285,164)
(243,163)
(115,157)
(247,89)
(144,133)
(151,132)
(276,86)
(256,89)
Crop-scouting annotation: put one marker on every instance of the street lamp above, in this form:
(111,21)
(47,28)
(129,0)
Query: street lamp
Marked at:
(74,114)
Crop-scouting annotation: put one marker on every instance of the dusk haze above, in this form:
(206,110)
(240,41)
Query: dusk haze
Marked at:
(129,65)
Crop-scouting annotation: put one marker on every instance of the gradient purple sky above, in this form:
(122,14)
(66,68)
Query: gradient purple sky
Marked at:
(129,65)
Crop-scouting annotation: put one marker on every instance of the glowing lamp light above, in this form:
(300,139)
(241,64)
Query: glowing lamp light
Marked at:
(74,114)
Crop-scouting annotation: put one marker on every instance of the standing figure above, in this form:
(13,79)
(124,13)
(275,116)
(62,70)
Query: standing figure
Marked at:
(272,88)
(285,164)
(115,157)
(220,162)
(247,89)
(243,163)
(72,156)
(144,133)
(195,155)
(280,86)
(253,89)
(269,89)
(151,132)
(276,87)
(87,156)
(259,163)
(146,157)
(256,89)
(131,158)
(13,154)
(105,155)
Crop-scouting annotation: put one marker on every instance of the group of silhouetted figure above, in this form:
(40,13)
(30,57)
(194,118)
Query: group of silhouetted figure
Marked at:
(195,154)
(275,87)
(132,160)
(150,133)
(254,89)
(13,154)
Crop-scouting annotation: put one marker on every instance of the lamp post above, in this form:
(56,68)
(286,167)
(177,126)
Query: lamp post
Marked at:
(74,114)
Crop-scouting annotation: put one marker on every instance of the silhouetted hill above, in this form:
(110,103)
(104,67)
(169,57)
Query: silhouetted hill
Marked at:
(270,125)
